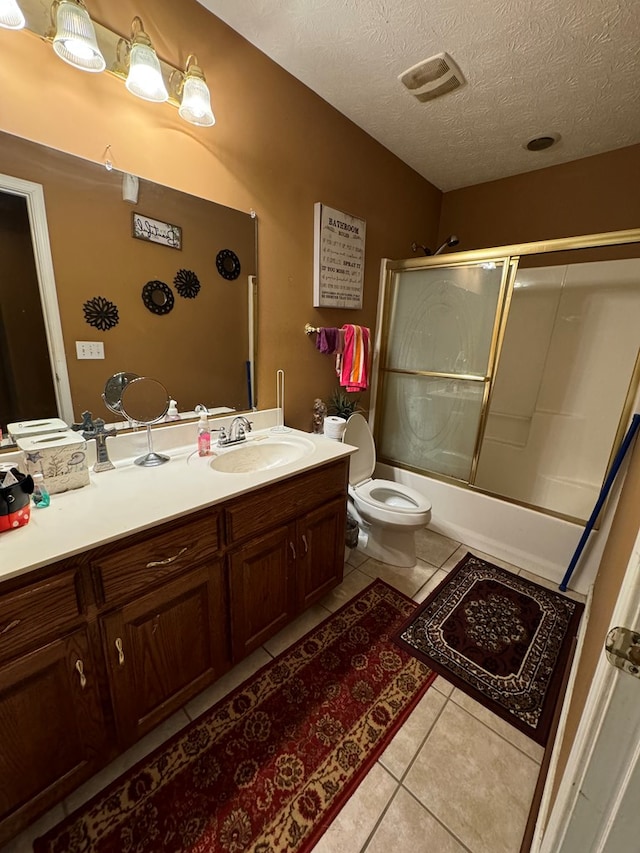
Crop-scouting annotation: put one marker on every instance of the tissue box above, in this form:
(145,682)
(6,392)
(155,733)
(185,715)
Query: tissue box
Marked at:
(22,429)
(61,457)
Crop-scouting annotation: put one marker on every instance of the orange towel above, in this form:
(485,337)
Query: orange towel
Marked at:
(354,373)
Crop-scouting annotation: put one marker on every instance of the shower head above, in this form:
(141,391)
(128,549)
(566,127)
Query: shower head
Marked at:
(425,249)
(448,243)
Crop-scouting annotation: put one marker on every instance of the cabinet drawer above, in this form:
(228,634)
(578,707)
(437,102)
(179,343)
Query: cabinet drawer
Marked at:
(126,570)
(37,612)
(277,504)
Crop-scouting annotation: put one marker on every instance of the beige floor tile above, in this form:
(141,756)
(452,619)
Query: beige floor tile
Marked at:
(357,558)
(503,564)
(500,726)
(23,843)
(352,584)
(408,581)
(464,549)
(354,824)
(434,548)
(424,591)
(205,700)
(443,686)
(407,827)
(474,782)
(347,568)
(547,584)
(454,559)
(296,629)
(134,754)
(408,739)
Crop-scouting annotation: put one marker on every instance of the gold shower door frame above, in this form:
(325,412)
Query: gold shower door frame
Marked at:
(509,256)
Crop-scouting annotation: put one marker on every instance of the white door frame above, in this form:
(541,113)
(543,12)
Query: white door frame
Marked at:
(551,839)
(34,195)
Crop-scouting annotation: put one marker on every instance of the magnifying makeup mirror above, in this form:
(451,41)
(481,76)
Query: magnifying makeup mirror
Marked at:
(113,389)
(145,401)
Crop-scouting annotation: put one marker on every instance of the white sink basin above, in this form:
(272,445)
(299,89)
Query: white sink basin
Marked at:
(260,455)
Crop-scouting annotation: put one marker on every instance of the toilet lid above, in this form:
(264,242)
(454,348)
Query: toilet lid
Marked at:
(363,461)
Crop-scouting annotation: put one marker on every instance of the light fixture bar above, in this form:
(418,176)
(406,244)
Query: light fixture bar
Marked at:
(11,16)
(38,22)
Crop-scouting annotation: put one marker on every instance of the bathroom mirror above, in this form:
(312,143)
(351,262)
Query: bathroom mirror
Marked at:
(113,389)
(146,401)
(201,349)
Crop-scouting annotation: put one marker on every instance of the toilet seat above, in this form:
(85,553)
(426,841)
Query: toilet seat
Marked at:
(386,501)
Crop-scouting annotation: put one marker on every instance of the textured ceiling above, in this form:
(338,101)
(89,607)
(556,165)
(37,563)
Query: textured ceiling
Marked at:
(533,67)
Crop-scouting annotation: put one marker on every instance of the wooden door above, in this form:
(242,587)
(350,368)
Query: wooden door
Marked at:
(165,647)
(321,551)
(53,733)
(262,593)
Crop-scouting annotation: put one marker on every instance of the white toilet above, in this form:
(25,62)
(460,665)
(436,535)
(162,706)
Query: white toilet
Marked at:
(389,514)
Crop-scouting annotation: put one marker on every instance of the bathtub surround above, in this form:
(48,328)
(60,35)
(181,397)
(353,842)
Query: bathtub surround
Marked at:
(272,763)
(503,640)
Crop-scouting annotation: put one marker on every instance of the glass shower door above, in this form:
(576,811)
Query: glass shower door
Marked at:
(441,333)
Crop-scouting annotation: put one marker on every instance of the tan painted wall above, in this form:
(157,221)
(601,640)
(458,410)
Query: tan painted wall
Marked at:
(276,148)
(597,194)
(600,193)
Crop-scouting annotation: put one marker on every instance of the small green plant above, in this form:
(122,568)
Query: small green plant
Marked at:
(342,404)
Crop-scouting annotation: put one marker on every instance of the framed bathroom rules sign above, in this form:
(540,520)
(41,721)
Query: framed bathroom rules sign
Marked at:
(338,258)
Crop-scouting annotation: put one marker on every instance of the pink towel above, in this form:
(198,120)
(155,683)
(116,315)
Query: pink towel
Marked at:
(354,373)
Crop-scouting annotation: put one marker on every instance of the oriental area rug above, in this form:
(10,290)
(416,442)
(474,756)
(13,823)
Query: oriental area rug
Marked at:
(269,766)
(502,639)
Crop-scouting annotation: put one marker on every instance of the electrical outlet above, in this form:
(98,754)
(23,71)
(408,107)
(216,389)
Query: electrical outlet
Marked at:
(89,349)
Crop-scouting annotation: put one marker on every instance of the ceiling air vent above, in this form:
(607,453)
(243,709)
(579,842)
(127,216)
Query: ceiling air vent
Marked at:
(432,77)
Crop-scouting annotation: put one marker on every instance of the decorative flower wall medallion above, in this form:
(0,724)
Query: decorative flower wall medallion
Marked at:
(228,264)
(158,297)
(100,313)
(187,284)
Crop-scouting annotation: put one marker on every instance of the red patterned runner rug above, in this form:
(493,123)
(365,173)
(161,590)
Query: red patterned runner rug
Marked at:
(269,766)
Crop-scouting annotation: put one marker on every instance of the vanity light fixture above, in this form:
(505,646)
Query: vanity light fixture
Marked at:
(11,17)
(91,46)
(144,78)
(74,37)
(192,91)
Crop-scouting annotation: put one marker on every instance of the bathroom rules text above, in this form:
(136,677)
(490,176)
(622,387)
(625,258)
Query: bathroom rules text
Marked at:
(338,258)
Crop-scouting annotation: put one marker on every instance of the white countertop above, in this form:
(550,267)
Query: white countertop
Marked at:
(130,498)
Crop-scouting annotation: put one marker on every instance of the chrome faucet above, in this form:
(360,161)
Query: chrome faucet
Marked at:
(238,430)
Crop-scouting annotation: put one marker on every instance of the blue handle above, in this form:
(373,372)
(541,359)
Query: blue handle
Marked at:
(635,422)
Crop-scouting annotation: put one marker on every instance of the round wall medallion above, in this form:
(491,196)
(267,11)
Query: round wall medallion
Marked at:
(228,264)
(100,313)
(187,284)
(157,297)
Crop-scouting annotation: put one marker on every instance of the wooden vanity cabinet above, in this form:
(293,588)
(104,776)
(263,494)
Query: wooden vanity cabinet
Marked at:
(276,575)
(261,591)
(52,729)
(97,650)
(163,621)
(320,551)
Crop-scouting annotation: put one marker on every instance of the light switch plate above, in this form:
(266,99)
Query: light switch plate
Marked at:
(89,349)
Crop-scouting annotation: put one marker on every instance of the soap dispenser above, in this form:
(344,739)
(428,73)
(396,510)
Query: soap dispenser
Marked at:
(204,435)
(172,411)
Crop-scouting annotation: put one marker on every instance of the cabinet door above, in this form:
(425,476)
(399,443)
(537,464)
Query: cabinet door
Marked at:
(51,726)
(165,647)
(261,587)
(320,551)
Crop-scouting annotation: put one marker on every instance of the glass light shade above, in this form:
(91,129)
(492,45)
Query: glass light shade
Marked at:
(145,77)
(75,39)
(195,106)
(11,17)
